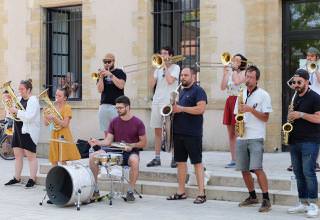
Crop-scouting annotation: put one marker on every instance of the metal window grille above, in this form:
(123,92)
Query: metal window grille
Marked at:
(177,24)
(64,50)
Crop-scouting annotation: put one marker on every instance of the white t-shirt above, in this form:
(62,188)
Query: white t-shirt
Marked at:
(261,101)
(163,89)
(232,89)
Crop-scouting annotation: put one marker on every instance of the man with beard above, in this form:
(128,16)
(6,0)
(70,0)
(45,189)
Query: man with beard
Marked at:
(187,133)
(111,85)
(128,129)
(304,143)
(249,148)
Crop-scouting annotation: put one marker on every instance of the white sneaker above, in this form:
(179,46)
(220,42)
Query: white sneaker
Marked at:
(312,210)
(300,208)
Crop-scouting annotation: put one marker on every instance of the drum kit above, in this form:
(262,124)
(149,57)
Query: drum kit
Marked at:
(74,184)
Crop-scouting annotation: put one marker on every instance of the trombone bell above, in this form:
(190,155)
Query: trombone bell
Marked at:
(158,61)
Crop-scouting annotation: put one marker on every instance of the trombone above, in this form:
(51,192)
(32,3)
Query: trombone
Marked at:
(226,60)
(158,61)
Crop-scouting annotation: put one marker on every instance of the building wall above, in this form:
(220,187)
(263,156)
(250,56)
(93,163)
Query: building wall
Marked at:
(126,29)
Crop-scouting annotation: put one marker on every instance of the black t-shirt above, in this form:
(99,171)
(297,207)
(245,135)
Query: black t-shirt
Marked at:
(111,91)
(303,130)
(185,123)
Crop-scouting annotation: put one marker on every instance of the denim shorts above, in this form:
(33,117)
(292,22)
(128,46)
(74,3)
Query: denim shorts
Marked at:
(249,154)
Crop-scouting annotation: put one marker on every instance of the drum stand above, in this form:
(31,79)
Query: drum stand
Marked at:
(112,194)
(77,203)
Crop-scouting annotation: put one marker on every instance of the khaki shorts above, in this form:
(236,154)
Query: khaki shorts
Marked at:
(106,113)
(249,154)
(156,118)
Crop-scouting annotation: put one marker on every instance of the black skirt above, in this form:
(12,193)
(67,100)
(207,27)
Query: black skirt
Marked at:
(20,140)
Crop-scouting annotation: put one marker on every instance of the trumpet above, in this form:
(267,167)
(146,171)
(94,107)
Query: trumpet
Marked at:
(158,61)
(95,76)
(312,66)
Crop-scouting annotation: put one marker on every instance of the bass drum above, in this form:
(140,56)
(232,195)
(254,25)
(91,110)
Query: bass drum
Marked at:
(64,182)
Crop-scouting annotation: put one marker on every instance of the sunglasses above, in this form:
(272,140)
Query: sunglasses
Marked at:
(107,61)
(293,82)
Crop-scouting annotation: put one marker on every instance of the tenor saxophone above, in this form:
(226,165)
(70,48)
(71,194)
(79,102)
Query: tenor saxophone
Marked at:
(288,127)
(239,126)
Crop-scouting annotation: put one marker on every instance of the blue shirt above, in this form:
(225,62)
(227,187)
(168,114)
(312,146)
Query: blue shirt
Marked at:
(185,123)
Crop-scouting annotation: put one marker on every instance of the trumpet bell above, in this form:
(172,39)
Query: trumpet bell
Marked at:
(225,58)
(311,67)
(95,76)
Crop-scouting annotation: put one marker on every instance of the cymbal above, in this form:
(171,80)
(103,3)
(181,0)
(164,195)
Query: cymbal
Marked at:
(60,141)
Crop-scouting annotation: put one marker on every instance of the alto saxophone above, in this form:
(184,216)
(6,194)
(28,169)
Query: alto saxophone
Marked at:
(288,127)
(239,126)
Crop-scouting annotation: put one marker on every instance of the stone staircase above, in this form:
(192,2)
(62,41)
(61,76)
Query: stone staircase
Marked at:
(227,186)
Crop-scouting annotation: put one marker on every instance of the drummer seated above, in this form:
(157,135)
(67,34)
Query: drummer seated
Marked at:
(128,129)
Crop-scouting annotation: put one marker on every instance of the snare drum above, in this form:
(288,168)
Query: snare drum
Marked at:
(108,159)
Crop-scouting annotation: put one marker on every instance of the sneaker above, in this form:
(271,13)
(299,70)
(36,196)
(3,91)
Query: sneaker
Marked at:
(300,208)
(317,167)
(153,163)
(312,210)
(248,201)
(232,164)
(12,181)
(290,168)
(30,184)
(173,163)
(265,206)
(130,196)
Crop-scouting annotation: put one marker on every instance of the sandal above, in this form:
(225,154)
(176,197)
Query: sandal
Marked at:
(200,199)
(177,196)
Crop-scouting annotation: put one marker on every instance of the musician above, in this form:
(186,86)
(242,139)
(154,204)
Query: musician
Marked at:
(249,148)
(187,133)
(26,133)
(232,79)
(70,150)
(111,86)
(312,56)
(304,143)
(124,128)
(166,81)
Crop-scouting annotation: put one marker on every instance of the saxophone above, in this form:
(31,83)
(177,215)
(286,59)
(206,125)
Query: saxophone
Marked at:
(288,127)
(12,101)
(239,126)
(49,109)
(167,119)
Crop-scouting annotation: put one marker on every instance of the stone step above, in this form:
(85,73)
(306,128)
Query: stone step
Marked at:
(224,193)
(170,176)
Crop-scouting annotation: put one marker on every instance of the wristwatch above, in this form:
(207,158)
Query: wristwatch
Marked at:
(301,114)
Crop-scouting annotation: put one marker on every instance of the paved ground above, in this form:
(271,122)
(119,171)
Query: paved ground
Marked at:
(19,203)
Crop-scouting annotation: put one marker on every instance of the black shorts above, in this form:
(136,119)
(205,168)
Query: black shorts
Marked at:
(125,154)
(185,146)
(23,141)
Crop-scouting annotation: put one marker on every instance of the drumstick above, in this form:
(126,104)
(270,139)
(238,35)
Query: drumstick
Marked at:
(118,145)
